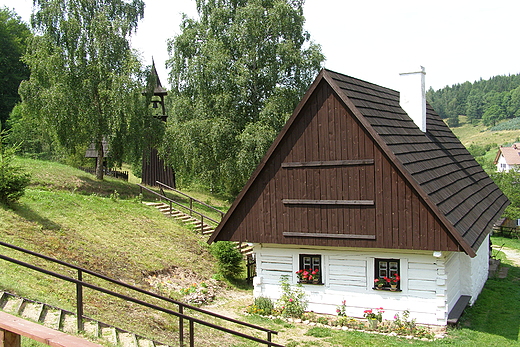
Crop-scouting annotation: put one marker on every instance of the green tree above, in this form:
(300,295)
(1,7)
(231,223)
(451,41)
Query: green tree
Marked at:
(492,115)
(474,106)
(85,80)
(237,74)
(27,135)
(14,34)
(13,180)
(229,259)
(509,183)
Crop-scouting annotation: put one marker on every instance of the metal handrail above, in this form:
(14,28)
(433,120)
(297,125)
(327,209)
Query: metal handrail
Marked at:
(202,216)
(222,213)
(80,284)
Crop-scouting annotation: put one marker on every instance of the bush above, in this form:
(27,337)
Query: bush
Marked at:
(263,306)
(13,180)
(292,303)
(229,259)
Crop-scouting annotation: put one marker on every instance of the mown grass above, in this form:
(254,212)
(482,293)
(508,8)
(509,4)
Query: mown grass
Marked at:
(68,215)
(480,135)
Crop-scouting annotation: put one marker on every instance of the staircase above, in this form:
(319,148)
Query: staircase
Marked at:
(62,320)
(245,248)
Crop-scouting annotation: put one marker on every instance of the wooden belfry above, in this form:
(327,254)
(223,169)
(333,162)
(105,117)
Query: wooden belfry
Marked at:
(154,168)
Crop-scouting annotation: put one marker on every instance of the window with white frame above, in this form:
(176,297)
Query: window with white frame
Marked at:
(386,274)
(310,269)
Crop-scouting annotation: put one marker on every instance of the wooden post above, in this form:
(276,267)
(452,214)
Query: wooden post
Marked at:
(192,333)
(9,339)
(79,302)
(181,326)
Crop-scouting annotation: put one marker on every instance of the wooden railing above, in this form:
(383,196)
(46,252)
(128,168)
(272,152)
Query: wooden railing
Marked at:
(180,314)
(192,199)
(202,217)
(108,172)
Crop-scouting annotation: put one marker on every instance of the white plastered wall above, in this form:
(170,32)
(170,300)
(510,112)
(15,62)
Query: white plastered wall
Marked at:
(348,275)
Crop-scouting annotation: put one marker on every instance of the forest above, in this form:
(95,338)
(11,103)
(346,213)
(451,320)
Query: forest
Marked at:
(484,101)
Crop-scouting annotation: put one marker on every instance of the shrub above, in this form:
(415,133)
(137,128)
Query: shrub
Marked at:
(229,259)
(292,303)
(13,180)
(403,325)
(263,306)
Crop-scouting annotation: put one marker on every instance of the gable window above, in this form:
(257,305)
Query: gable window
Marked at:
(386,274)
(310,270)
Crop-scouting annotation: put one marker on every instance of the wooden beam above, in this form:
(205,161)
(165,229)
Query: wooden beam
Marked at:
(328,202)
(16,326)
(9,339)
(328,163)
(329,236)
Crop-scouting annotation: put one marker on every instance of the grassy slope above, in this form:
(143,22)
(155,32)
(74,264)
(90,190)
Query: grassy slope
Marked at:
(68,215)
(479,135)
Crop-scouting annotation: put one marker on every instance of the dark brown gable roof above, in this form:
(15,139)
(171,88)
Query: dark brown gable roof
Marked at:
(351,169)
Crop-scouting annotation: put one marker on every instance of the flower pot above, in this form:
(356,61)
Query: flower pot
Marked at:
(393,287)
(380,287)
(372,323)
(316,281)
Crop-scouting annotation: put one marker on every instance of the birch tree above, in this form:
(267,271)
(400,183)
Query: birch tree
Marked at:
(85,79)
(238,71)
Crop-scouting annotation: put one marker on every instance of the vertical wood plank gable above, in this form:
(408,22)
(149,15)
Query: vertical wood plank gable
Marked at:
(327,131)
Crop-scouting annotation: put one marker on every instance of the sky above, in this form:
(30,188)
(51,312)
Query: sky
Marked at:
(455,40)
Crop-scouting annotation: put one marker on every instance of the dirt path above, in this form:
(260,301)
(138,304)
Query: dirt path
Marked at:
(512,254)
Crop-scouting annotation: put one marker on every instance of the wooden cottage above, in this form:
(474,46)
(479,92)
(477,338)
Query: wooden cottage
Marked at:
(354,188)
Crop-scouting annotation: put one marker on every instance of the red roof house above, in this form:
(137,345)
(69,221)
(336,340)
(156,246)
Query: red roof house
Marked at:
(508,157)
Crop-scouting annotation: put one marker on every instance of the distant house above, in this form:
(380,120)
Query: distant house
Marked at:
(353,187)
(507,158)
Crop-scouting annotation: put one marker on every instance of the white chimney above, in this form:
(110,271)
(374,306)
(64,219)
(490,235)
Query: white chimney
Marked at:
(413,96)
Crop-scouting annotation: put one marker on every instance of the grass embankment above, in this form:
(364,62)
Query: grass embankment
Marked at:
(101,226)
(481,136)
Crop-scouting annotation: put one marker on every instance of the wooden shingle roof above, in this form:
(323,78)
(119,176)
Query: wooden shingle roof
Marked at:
(439,163)
(442,175)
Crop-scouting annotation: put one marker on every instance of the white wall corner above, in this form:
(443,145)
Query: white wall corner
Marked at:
(413,96)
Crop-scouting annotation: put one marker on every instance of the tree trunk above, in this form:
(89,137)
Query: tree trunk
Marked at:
(99,161)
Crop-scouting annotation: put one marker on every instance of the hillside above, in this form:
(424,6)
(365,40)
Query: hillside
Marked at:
(481,135)
(104,227)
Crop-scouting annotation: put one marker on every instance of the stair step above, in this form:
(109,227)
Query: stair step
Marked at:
(91,327)
(32,310)
(185,218)
(127,339)
(108,333)
(148,203)
(69,323)
(145,343)
(65,321)
(51,317)
(12,304)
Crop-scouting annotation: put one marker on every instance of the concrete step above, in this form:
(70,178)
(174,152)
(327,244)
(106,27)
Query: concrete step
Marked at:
(66,321)
(108,333)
